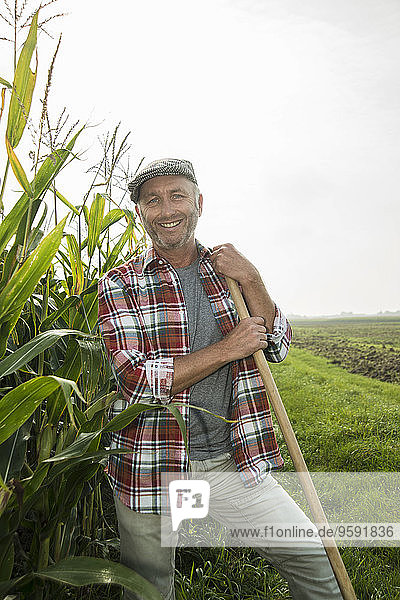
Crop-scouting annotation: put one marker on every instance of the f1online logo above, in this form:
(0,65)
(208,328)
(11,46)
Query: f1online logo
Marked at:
(189,499)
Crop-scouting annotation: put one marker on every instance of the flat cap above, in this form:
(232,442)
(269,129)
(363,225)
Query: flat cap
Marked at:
(159,168)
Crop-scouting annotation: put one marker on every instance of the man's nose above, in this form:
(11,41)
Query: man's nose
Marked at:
(167,208)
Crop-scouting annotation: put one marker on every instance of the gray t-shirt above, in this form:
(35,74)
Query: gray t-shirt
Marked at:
(208,435)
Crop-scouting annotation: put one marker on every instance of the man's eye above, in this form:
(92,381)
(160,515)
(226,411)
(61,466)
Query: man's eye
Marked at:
(178,196)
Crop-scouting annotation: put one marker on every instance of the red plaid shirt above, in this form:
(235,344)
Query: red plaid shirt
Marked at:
(143,321)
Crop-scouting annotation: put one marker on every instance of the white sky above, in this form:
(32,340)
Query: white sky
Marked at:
(289,112)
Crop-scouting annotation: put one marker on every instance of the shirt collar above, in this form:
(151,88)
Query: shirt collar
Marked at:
(151,257)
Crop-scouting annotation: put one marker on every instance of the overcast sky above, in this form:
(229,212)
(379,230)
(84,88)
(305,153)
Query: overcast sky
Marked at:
(289,112)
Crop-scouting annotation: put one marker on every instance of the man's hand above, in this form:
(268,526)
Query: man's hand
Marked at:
(245,339)
(228,261)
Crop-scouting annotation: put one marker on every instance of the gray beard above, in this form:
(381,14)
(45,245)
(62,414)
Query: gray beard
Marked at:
(191,226)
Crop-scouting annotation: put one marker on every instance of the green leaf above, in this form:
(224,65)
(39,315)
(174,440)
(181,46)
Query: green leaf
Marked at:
(128,415)
(76,264)
(92,359)
(18,170)
(10,224)
(117,249)
(52,166)
(24,281)
(65,201)
(32,484)
(101,404)
(17,405)
(6,328)
(12,452)
(41,183)
(112,217)
(6,83)
(70,370)
(23,86)
(78,448)
(96,214)
(12,584)
(85,570)
(92,456)
(68,303)
(28,351)
(16,218)
(86,316)
(177,414)
(6,556)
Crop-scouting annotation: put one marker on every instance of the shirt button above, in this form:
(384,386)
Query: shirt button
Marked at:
(160,262)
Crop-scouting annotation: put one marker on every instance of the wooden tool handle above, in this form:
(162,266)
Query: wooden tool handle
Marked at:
(294,450)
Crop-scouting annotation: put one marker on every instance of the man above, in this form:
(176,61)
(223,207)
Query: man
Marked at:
(172,335)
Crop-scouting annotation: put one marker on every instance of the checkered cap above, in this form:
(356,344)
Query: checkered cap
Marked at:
(159,168)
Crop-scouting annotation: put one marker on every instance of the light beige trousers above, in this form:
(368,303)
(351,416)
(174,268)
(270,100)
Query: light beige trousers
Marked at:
(306,568)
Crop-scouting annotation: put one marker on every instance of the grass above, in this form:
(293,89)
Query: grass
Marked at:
(343,422)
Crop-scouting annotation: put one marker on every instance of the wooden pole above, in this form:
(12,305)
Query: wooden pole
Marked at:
(310,493)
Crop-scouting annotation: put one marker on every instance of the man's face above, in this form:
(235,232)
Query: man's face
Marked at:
(168,209)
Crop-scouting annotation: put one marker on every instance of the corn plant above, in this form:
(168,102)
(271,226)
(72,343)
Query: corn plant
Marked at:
(56,386)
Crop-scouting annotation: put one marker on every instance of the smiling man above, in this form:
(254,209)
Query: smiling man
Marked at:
(172,335)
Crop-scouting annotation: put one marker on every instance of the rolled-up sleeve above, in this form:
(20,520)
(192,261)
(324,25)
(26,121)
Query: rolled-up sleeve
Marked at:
(141,377)
(279,339)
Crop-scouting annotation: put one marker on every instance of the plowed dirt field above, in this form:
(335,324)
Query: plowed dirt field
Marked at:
(367,346)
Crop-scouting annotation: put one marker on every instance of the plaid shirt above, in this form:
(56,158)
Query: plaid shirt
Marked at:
(143,321)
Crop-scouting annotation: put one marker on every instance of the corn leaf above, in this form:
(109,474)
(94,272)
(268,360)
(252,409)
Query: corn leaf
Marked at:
(3,100)
(126,417)
(86,318)
(11,222)
(117,249)
(47,172)
(6,328)
(76,264)
(31,349)
(17,405)
(69,370)
(24,281)
(18,170)
(12,584)
(23,86)
(96,456)
(78,448)
(101,404)
(85,570)
(32,484)
(177,414)
(112,217)
(96,215)
(41,183)
(6,83)
(92,359)
(65,201)
(68,303)
(52,166)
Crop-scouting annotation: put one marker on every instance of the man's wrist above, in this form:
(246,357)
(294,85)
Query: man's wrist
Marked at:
(224,351)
